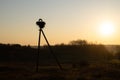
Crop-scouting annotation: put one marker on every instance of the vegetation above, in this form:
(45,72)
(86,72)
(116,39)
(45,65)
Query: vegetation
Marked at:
(80,61)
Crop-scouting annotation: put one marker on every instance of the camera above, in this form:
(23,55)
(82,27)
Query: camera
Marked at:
(41,23)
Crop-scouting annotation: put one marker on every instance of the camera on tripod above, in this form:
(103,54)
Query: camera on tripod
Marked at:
(41,23)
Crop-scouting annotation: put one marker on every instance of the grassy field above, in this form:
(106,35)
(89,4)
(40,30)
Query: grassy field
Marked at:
(93,71)
(79,62)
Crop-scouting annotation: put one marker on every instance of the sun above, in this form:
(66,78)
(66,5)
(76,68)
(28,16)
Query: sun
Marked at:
(106,28)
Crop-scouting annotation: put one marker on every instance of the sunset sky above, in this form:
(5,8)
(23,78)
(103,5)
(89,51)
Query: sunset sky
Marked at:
(96,21)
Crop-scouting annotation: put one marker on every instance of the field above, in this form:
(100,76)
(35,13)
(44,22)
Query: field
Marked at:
(19,63)
(94,71)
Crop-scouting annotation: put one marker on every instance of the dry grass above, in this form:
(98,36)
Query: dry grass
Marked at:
(96,71)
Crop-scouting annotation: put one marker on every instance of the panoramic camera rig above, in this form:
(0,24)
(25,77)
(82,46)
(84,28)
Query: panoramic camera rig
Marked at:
(41,25)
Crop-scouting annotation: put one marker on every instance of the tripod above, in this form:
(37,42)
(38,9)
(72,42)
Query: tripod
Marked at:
(51,51)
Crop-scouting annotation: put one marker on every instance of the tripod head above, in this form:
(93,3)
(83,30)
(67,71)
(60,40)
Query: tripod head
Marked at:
(40,23)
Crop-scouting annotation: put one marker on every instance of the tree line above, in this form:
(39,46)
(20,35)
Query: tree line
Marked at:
(74,52)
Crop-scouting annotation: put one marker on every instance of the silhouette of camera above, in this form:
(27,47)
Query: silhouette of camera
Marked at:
(41,23)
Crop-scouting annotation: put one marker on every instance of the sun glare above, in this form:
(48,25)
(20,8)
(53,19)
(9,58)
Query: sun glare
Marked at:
(107,29)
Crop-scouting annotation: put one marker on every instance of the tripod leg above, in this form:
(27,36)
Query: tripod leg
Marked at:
(37,57)
(52,51)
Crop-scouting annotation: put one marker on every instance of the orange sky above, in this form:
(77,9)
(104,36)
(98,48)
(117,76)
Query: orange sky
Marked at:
(66,20)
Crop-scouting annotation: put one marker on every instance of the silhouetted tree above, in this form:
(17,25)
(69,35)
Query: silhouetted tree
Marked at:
(79,42)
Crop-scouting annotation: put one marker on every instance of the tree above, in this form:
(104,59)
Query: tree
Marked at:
(79,42)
